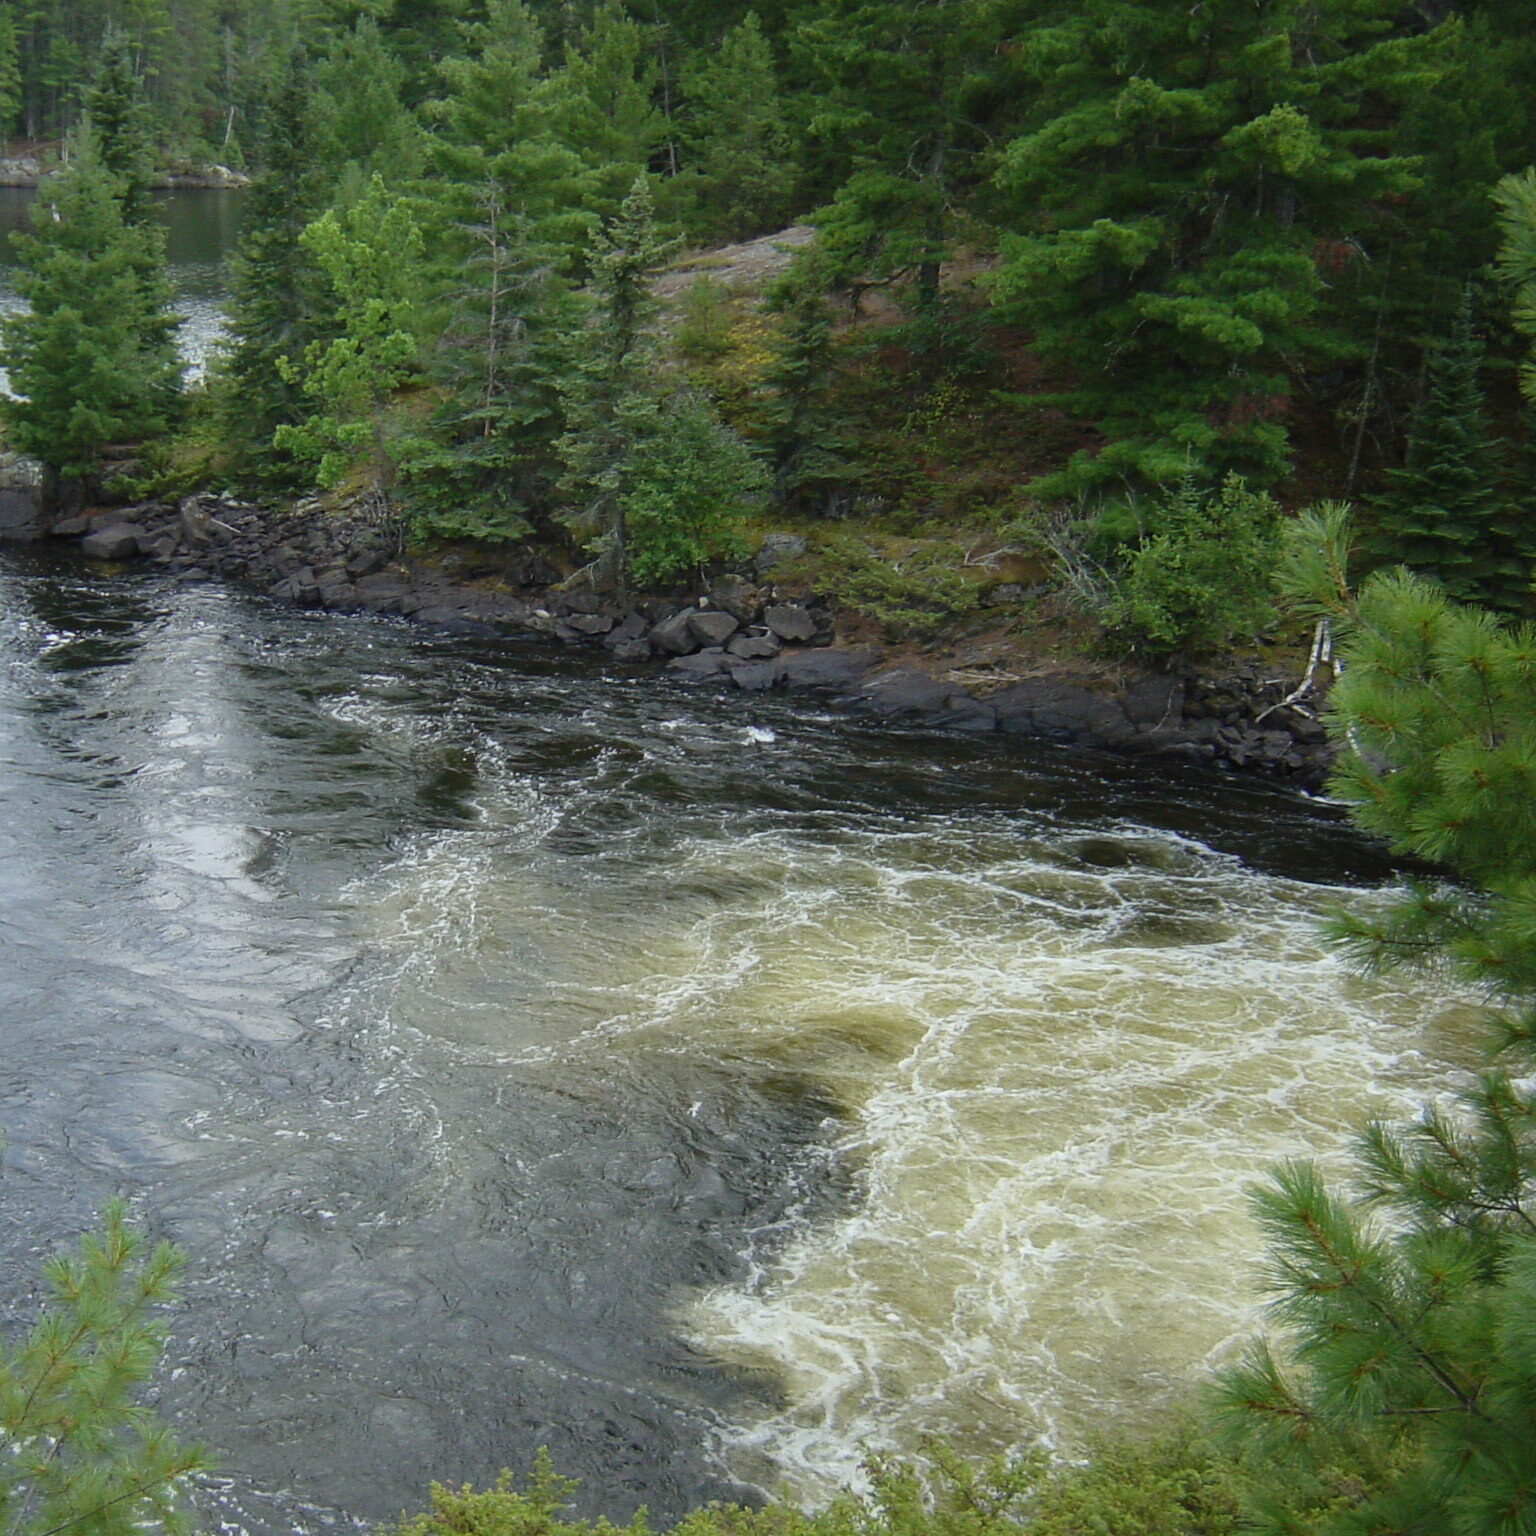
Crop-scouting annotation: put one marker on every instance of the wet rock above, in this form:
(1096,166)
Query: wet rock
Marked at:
(789,621)
(118,542)
(1059,710)
(675,636)
(835,669)
(631,650)
(71,528)
(1153,701)
(703,666)
(590,623)
(749,647)
(756,676)
(965,713)
(904,692)
(710,628)
(632,627)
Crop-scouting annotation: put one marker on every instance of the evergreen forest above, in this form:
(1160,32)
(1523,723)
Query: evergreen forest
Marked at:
(1150,328)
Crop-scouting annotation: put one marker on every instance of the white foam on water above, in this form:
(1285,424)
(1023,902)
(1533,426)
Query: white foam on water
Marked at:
(1062,1054)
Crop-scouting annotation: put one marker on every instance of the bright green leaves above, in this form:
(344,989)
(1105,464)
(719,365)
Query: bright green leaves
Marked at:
(1203,577)
(369,254)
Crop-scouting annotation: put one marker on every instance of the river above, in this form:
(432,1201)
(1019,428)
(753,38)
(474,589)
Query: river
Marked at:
(201,228)
(703,1088)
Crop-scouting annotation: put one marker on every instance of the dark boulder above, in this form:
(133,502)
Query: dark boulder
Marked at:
(1059,710)
(1153,701)
(756,676)
(837,670)
(711,628)
(675,636)
(789,621)
(118,542)
(702,667)
(755,647)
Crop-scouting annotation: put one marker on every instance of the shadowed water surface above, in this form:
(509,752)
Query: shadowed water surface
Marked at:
(530,1056)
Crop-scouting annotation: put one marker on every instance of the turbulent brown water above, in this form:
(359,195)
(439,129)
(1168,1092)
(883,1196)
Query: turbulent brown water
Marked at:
(706,1090)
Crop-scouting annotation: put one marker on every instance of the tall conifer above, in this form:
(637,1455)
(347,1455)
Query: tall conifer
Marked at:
(93,360)
(1446,512)
(1186,184)
(277,291)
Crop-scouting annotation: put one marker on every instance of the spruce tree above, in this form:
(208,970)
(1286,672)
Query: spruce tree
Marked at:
(738,162)
(362,127)
(809,445)
(612,404)
(656,482)
(497,126)
(499,364)
(276,286)
(119,119)
(77,1452)
(93,360)
(1445,512)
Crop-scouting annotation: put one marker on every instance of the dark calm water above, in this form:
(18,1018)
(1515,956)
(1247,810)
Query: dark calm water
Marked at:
(704,1089)
(201,231)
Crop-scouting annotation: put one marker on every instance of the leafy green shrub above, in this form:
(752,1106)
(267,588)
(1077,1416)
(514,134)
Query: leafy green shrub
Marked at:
(1176,1485)
(688,491)
(1204,577)
(913,596)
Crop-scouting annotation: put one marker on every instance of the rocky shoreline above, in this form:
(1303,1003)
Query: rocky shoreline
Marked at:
(747,632)
(33,170)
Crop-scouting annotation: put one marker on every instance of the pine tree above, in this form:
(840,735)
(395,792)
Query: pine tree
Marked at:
(93,360)
(276,286)
(77,1453)
(1186,181)
(1403,1388)
(1516,198)
(737,153)
(602,102)
(900,115)
(1445,512)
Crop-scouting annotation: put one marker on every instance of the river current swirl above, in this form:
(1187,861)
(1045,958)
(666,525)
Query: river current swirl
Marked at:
(708,1090)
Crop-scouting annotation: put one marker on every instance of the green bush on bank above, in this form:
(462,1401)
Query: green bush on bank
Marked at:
(1175,1485)
(1204,576)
